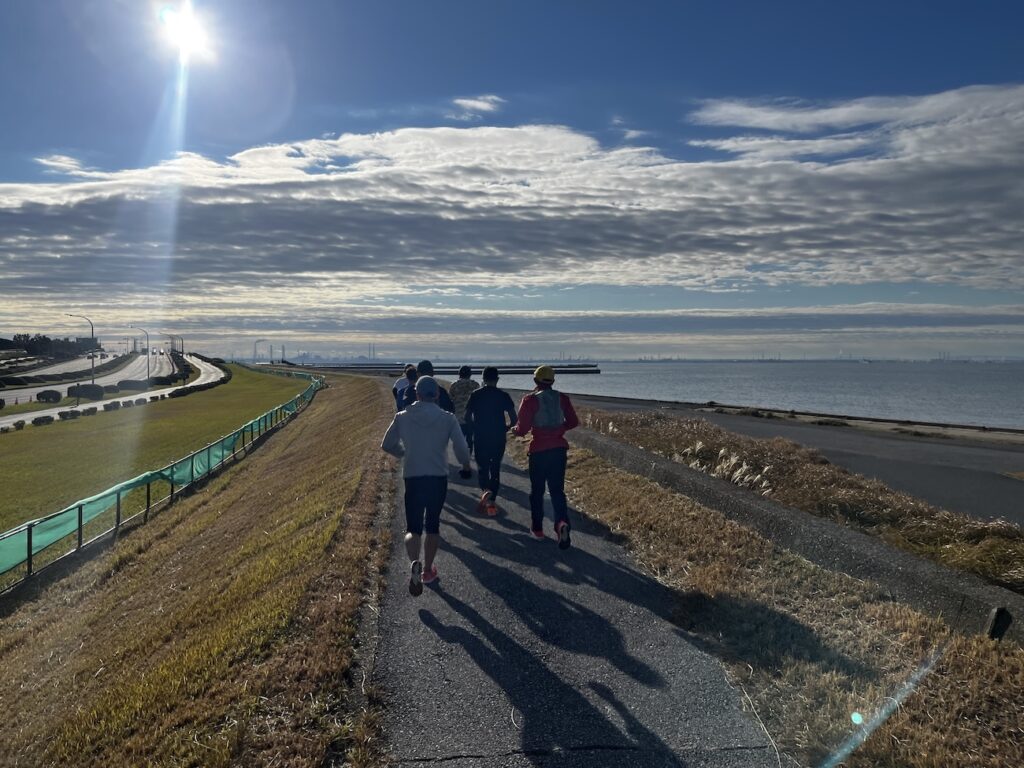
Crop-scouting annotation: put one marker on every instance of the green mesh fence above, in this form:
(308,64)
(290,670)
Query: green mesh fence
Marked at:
(14,544)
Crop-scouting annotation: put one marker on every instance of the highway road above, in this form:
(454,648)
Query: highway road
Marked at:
(81,363)
(207,373)
(159,365)
(75,364)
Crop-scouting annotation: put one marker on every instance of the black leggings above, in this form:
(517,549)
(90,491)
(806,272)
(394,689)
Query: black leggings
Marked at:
(488,466)
(547,468)
(424,497)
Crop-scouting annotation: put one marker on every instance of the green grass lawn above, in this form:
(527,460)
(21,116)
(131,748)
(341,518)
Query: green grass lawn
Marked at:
(48,468)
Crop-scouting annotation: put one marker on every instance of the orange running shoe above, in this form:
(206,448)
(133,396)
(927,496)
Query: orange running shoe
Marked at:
(485,501)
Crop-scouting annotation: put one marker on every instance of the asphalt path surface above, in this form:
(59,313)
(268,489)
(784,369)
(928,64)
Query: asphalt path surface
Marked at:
(159,365)
(207,373)
(525,655)
(961,475)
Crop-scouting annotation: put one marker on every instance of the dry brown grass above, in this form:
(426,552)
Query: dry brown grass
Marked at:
(222,632)
(802,478)
(809,646)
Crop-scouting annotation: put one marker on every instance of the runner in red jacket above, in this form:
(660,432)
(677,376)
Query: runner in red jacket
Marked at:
(549,415)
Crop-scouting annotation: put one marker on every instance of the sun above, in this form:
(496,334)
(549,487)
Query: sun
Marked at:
(184,31)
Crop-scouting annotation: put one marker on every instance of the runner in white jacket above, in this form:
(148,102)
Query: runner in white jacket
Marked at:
(421,434)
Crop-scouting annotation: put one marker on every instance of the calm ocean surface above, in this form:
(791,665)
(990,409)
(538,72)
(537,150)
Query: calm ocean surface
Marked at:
(984,394)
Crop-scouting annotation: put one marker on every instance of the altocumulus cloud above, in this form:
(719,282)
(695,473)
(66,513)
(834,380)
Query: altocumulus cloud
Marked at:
(471,109)
(865,191)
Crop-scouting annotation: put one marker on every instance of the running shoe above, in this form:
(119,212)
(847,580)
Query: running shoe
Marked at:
(563,535)
(537,534)
(430,574)
(485,499)
(492,508)
(416,579)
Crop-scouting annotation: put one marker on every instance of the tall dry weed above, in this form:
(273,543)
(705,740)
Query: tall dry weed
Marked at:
(804,479)
(827,661)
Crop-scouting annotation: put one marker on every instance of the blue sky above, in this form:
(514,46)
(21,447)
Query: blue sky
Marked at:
(604,178)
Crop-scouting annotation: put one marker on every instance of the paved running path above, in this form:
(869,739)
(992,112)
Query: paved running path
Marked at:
(525,655)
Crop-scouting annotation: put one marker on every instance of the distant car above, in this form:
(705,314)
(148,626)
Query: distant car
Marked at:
(103,356)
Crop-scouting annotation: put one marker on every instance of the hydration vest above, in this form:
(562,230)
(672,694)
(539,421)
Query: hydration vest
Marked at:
(549,412)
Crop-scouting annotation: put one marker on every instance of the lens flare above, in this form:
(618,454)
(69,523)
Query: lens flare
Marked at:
(185,32)
(884,712)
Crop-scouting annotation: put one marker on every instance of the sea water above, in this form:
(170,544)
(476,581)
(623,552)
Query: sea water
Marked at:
(981,394)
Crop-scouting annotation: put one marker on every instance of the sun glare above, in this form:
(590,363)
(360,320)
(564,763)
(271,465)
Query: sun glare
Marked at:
(183,30)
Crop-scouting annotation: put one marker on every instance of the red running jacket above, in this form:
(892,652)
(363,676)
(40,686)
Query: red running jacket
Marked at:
(549,414)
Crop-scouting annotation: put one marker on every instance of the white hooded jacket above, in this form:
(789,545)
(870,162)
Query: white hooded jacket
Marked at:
(421,433)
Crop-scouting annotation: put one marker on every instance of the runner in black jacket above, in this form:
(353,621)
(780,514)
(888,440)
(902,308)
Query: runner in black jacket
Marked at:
(426,368)
(486,416)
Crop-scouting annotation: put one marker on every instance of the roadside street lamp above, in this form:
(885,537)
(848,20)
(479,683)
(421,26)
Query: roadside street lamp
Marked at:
(92,335)
(171,356)
(177,345)
(148,350)
(177,342)
(173,338)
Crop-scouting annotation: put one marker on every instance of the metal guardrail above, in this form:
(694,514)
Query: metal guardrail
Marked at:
(23,544)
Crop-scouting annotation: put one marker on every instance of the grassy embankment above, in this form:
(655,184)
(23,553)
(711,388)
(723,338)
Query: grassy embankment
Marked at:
(47,468)
(221,632)
(809,647)
(802,478)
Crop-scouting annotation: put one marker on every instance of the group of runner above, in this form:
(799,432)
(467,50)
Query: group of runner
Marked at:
(475,420)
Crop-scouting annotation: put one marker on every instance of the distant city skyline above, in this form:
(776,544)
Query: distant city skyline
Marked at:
(456,179)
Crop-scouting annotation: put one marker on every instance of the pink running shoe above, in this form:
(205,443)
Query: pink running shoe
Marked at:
(429,574)
(537,534)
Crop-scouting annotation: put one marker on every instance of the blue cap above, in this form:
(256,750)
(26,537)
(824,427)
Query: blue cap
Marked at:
(426,388)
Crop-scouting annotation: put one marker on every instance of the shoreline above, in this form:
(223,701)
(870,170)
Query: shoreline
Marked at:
(876,424)
(896,427)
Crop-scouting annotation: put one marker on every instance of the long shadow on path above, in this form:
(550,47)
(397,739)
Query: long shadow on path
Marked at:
(578,567)
(556,721)
(523,654)
(732,629)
